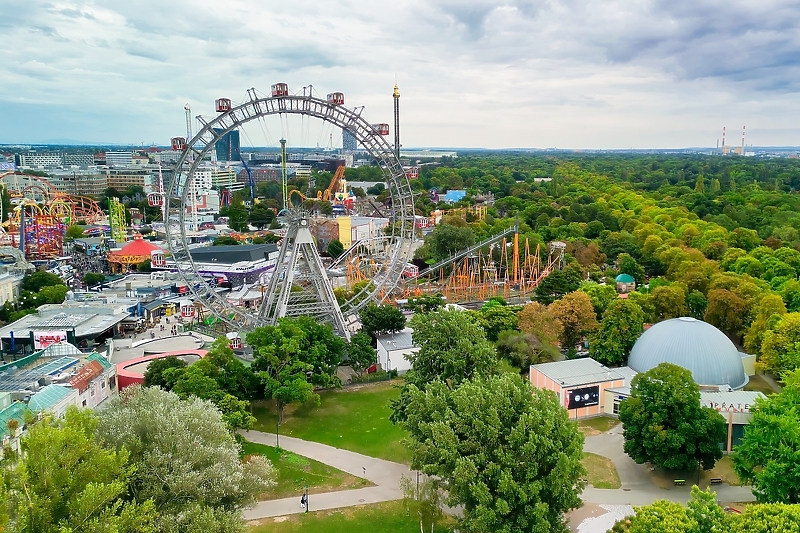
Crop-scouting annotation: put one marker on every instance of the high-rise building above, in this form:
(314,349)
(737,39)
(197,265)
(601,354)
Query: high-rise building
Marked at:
(396,96)
(227,147)
(349,141)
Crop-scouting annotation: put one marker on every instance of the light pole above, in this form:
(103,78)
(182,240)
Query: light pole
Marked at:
(278,434)
(306,498)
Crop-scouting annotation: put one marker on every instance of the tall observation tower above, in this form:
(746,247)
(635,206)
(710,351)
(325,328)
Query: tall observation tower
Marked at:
(396,95)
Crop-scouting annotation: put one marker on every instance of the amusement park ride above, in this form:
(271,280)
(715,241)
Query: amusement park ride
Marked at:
(299,284)
(40,215)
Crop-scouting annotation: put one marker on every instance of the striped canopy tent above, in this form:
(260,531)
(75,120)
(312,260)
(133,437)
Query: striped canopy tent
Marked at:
(135,252)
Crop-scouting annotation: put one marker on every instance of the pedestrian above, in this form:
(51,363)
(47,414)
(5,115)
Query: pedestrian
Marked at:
(303,501)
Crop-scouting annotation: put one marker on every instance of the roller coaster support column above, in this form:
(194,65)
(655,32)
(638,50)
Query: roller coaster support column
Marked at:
(284,182)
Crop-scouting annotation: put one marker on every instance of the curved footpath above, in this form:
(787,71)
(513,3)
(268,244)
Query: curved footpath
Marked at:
(636,486)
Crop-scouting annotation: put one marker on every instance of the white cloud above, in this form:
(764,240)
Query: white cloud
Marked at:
(569,73)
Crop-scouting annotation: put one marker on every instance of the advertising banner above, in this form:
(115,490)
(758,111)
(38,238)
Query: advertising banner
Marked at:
(583,397)
(43,339)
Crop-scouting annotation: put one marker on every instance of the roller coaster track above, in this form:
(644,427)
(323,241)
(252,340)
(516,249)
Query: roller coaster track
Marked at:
(472,249)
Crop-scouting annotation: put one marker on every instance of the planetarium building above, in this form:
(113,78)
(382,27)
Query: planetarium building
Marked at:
(694,345)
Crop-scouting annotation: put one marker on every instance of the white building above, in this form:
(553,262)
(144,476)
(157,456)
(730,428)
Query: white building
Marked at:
(393,349)
(119,159)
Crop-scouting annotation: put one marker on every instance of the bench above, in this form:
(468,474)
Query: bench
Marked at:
(680,482)
(716,480)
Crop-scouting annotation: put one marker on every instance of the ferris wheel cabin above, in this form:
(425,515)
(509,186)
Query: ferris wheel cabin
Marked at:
(154,199)
(381,129)
(223,105)
(336,98)
(178,143)
(280,89)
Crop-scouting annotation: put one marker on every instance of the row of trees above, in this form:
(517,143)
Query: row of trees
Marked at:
(149,462)
(702,514)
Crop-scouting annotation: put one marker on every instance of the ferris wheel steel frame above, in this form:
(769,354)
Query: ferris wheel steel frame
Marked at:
(402,218)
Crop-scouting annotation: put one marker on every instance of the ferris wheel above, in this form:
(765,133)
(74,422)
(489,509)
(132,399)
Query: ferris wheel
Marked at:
(298,284)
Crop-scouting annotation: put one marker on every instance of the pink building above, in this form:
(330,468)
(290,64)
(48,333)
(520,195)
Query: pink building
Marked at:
(579,383)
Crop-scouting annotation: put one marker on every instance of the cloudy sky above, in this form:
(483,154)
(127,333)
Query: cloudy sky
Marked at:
(472,73)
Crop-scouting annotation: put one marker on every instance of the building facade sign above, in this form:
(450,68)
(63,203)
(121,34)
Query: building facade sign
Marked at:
(732,407)
(43,339)
(583,397)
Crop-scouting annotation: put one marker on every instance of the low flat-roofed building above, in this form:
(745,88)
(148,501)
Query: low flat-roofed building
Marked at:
(78,322)
(579,383)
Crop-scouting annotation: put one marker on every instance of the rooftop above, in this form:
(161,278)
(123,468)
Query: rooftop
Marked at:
(49,397)
(233,254)
(401,340)
(574,372)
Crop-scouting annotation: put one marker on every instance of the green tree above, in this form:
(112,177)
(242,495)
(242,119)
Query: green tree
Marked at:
(524,349)
(621,326)
(335,248)
(154,375)
(224,240)
(452,348)
(360,352)
(73,232)
(780,348)
(628,265)
(706,512)
(601,295)
(446,239)
(769,453)
(726,310)
(767,518)
(425,303)
(662,516)
(294,356)
(53,294)
(65,480)
(187,462)
(664,423)
(504,451)
(93,278)
(261,216)
(768,311)
(668,302)
(40,279)
(558,283)
(575,317)
(381,319)
(537,319)
(498,318)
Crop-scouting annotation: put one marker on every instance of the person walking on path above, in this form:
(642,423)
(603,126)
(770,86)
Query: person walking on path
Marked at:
(303,501)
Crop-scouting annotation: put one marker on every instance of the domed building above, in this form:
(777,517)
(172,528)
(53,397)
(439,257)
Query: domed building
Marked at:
(694,345)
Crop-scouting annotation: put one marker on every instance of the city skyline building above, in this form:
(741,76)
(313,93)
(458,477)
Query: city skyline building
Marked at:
(228,148)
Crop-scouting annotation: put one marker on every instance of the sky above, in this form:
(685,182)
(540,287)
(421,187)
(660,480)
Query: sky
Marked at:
(479,74)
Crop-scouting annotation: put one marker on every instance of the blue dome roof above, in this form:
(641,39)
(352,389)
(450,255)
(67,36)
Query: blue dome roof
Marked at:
(694,345)
(624,278)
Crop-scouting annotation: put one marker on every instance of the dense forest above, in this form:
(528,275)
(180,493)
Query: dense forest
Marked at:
(712,237)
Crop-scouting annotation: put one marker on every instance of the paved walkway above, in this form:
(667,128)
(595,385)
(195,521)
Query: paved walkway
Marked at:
(637,488)
(385,474)
(140,345)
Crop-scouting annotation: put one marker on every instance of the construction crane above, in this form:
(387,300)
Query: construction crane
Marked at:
(249,179)
(334,185)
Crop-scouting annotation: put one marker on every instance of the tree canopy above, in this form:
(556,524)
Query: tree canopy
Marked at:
(622,324)
(505,451)
(664,423)
(187,462)
(769,453)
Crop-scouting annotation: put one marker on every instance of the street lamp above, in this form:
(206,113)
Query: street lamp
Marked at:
(278,434)
(306,498)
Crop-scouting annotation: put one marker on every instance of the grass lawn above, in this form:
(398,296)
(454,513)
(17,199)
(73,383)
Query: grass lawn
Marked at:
(295,472)
(354,418)
(597,425)
(387,517)
(600,471)
(723,469)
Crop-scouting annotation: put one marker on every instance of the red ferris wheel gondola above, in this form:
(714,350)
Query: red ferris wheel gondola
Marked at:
(280,89)
(178,143)
(155,199)
(381,129)
(336,98)
(223,105)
